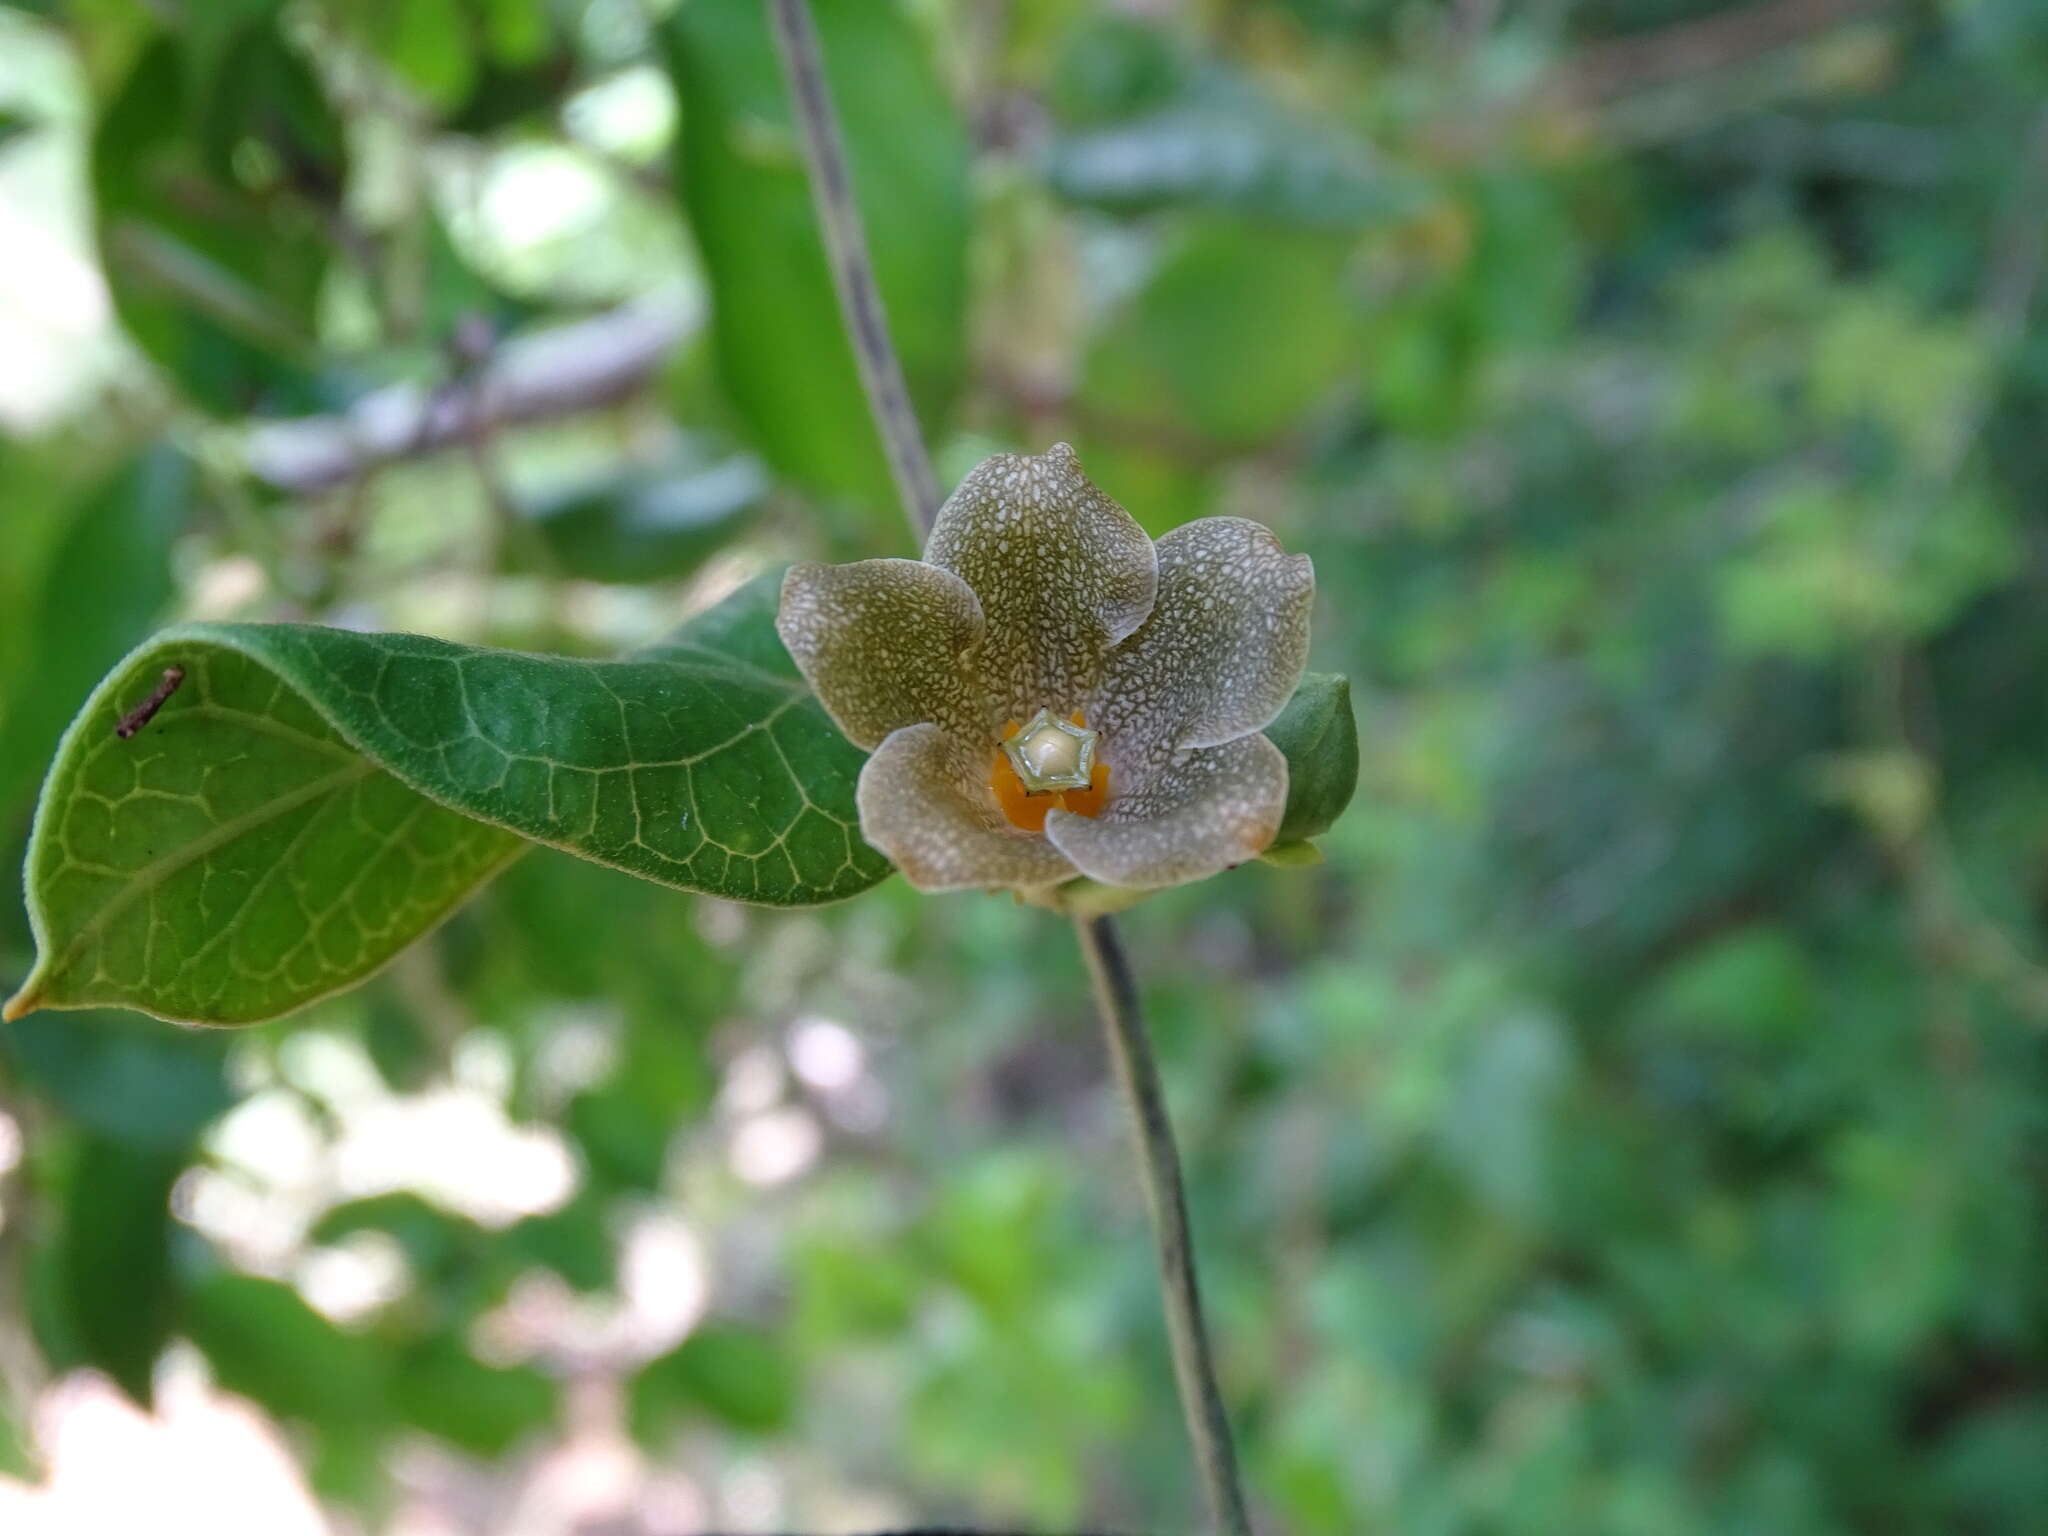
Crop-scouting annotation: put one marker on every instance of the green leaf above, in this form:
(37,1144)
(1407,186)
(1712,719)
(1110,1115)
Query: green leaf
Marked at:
(1112,67)
(485,1410)
(1319,735)
(14,125)
(121,1077)
(1240,332)
(776,329)
(237,858)
(436,1243)
(17,1450)
(275,102)
(214,249)
(848,1289)
(309,801)
(43,501)
(574,1242)
(266,1343)
(737,1374)
(641,526)
(428,44)
(113,1267)
(622,1134)
(105,583)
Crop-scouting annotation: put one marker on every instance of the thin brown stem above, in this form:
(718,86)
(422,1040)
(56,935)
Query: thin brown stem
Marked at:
(1116,999)
(853,272)
(1116,993)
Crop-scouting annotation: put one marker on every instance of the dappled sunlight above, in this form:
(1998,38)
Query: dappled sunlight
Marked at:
(204,1464)
(718,741)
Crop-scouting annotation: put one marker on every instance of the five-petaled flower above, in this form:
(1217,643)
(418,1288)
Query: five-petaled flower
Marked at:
(1048,693)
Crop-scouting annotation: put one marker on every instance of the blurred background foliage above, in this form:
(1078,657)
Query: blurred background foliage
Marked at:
(1638,1125)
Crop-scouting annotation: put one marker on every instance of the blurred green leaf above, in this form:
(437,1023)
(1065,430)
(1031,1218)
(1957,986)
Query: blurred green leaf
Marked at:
(14,125)
(503,93)
(1318,733)
(113,1261)
(1989,1468)
(210,35)
(429,44)
(17,1453)
(210,236)
(43,482)
(735,1374)
(264,1342)
(121,1077)
(1240,331)
(1114,66)
(479,68)
(439,1387)
(105,583)
(1752,985)
(276,104)
(433,1240)
(574,1243)
(848,1290)
(775,321)
(646,526)
(623,1134)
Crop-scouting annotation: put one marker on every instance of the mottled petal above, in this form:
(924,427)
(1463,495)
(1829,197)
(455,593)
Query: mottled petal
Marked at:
(1201,812)
(1063,574)
(1219,656)
(883,644)
(925,802)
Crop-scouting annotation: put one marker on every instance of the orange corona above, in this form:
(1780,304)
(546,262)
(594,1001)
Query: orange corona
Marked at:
(1027,810)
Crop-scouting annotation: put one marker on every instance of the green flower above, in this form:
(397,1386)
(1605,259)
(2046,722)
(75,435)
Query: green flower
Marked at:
(1050,694)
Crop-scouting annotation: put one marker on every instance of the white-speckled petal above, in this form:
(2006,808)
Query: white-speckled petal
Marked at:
(1062,571)
(1201,812)
(1221,653)
(925,802)
(884,643)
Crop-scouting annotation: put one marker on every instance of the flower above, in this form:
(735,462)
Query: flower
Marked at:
(1048,693)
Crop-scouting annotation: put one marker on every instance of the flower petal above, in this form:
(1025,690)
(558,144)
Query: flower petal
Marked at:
(1063,574)
(1219,656)
(1201,812)
(883,644)
(925,802)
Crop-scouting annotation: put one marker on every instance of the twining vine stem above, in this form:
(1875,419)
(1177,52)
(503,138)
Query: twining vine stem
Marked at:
(853,272)
(1116,991)
(1116,999)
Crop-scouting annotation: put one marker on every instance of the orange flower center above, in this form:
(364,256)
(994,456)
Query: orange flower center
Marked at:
(1028,810)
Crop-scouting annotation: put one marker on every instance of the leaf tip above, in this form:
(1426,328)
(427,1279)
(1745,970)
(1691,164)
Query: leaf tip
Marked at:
(23,1002)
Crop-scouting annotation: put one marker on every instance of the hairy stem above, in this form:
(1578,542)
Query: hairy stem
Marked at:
(1116,999)
(853,273)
